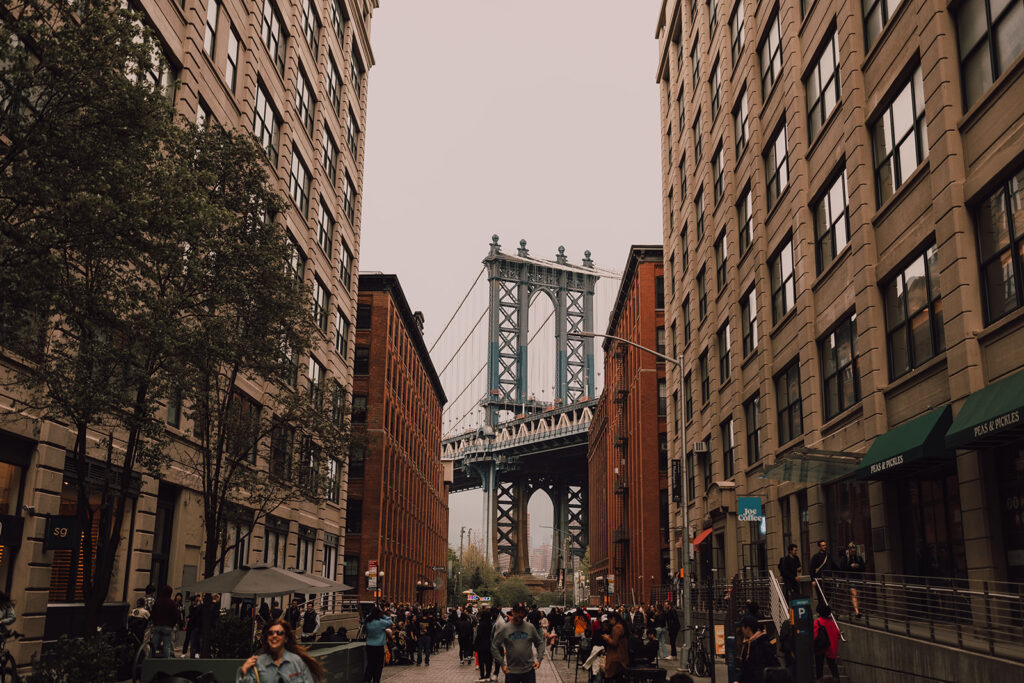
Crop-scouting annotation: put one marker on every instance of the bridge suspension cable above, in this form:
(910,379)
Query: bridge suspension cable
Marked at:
(461,303)
(470,334)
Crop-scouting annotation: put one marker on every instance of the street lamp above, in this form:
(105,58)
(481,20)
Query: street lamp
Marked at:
(378,586)
(687,563)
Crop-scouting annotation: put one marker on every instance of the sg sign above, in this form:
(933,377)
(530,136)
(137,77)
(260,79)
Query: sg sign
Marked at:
(63,532)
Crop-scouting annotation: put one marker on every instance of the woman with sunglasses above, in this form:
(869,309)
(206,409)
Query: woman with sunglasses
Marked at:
(283,660)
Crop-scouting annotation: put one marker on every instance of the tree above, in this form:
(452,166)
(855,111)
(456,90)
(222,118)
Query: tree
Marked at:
(511,590)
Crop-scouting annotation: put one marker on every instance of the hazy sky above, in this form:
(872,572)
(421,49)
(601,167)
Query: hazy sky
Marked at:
(535,119)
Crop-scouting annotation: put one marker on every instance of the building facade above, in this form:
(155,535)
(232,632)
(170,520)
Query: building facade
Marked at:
(295,75)
(627,452)
(843,255)
(397,518)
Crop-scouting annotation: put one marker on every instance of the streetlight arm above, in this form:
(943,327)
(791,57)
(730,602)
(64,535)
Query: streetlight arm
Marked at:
(594,335)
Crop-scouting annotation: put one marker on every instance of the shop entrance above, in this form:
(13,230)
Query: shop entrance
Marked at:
(931,524)
(1010,467)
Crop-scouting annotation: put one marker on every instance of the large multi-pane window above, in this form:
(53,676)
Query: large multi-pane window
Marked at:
(695,63)
(325,229)
(698,206)
(273,34)
(704,369)
(718,173)
(662,398)
(724,353)
(991,36)
(728,449)
(212,17)
(338,18)
(231,68)
(787,401)
(698,142)
(333,485)
(316,380)
(345,269)
(341,327)
(716,90)
(674,339)
(741,122)
(691,477)
(659,292)
(721,261)
(334,84)
(771,56)
(684,245)
(304,102)
(298,182)
(839,377)
(311,26)
(712,17)
(671,211)
(660,340)
(702,294)
(783,279)
(744,215)
(752,418)
(748,321)
(266,125)
(776,166)
(822,86)
(352,133)
(688,396)
(1000,223)
(320,299)
(672,275)
(831,225)
(296,263)
(681,103)
(876,15)
(900,138)
(686,320)
(913,314)
(678,42)
(736,29)
(359,409)
(668,136)
(329,157)
(356,73)
(349,199)
(361,361)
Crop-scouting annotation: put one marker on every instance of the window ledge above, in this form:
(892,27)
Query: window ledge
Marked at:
(842,418)
(883,36)
(992,95)
(792,443)
(803,22)
(767,97)
(824,127)
(929,368)
(750,469)
(827,273)
(785,319)
(901,192)
(782,195)
(724,385)
(750,357)
(997,327)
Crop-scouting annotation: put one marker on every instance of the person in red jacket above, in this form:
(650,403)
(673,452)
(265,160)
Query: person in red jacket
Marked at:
(830,654)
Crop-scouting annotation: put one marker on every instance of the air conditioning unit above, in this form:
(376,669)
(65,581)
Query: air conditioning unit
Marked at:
(700,447)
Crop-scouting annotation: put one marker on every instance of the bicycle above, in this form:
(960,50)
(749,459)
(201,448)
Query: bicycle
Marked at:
(8,667)
(143,649)
(699,660)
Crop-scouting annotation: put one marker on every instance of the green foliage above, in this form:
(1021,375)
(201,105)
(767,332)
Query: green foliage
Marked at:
(511,590)
(76,660)
(231,638)
(552,598)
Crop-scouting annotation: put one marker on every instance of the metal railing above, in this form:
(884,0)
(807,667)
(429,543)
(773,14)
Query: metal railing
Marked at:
(980,616)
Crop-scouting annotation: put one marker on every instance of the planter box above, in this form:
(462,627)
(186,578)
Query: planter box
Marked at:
(344,663)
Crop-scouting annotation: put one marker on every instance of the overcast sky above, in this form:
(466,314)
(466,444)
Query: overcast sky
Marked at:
(531,119)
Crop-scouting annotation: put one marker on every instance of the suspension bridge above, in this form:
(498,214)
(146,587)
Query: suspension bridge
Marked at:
(504,432)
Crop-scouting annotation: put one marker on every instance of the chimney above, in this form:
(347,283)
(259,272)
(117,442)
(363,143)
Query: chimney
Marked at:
(418,317)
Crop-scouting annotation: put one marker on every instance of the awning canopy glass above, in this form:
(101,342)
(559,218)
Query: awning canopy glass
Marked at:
(911,447)
(809,467)
(991,416)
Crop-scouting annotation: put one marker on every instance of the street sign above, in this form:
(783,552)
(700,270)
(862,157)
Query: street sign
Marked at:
(439,569)
(63,532)
(371,580)
(748,509)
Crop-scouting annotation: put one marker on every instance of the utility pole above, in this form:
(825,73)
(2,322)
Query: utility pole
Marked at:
(458,581)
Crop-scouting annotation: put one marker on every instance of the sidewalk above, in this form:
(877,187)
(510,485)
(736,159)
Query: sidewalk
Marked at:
(444,668)
(568,674)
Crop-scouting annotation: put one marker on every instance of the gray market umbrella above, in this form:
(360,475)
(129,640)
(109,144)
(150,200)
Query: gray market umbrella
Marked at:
(263,580)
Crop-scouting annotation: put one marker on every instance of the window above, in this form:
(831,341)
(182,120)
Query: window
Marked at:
(724,349)
(333,484)
(913,314)
(717,173)
(831,228)
(744,216)
(678,42)
(320,298)
(771,56)
(684,241)
(311,26)
(752,418)
(728,447)
(823,86)
(325,229)
(716,91)
(688,393)
(275,546)
(659,292)
(990,36)
(341,325)
(783,281)
(358,410)
(298,182)
(273,34)
(296,263)
(281,439)
(1000,225)
(695,63)
(304,101)
(339,408)
(345,269)
(352,133)
(707,463)
(713,16)
(787,401)
(662,399)
(691,478)
(266,125)
(210,39)
(697,142)
(674,339)
(776,166)
(741,122)
(363,316)
(338,18)
(354,516)
(361,361)
(660,340)
(668,136)
(356,460)
(838,353)
(748,321)
(304,552)
(682,175)
(705,378)
(334,84)
(203,115)
(702,295)
(876,15)
(693,12)
(900,139)
(686,320)
(349,199)
(316,381)
(174,408)
(698,205)
(231,69)
(356,73)
(721,261)
(329,158)
(672,275)
(736,29)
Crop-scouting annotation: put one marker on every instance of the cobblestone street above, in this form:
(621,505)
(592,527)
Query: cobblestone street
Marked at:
(445,668)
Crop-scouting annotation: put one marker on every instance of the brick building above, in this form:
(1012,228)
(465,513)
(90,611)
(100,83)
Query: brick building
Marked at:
(295,75)
(398,501)
(627,457)
(842,229)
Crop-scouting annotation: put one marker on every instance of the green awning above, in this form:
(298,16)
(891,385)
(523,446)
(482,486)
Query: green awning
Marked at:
(911,447)
(990,416)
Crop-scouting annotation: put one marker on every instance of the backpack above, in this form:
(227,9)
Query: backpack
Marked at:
(822,641)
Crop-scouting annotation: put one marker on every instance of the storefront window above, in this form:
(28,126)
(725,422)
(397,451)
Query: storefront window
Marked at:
(849,518)
(68,566)
(1010,464)
(933,539)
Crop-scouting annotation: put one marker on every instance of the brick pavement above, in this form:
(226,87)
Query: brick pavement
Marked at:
(566,669)
(444,668)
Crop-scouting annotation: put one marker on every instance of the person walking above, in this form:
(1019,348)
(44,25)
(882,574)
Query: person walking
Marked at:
(482,646)
(659,619)
(464,631)
(789,569)
(293,614)
(310,623)
(821,564)
(163,617)
(193,627)
(512,646)
(616,648)
(423,643)
(378,628)
(756,653)
(282,659)
(672,624)
(823,653)
(852,566)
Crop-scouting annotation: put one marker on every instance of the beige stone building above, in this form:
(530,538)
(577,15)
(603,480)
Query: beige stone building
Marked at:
(295,75)
(844,264)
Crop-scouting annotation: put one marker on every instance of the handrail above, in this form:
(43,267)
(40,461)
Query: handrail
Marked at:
(779,606)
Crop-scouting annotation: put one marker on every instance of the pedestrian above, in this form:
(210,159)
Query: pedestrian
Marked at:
(482,646)
(310,623)
(464,631)
(150,597)
(138,619)
(789,569)
(756,652)
(293,614)
(179,627)
(163,617)
(672,624)
(616,647)
(852,565)
(512,647)
(822,652)
(821,564)
(378,628)
(275,610)
(193,627)
(282,659)
(787,646)
(660,621)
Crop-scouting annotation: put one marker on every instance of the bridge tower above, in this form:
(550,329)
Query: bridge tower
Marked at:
(515,281)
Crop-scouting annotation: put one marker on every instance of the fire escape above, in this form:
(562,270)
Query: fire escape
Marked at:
(620,535)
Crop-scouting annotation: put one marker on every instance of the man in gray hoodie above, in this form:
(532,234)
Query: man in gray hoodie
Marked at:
(512,646)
